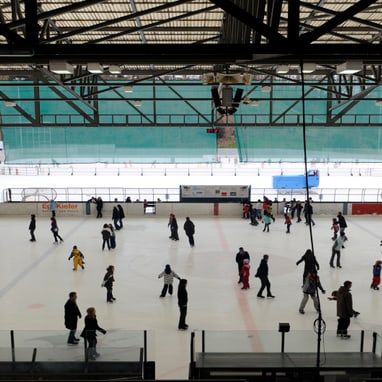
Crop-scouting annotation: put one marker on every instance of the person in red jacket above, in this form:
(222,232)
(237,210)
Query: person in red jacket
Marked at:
(245,271)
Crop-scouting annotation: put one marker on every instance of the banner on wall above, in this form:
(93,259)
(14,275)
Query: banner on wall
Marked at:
(214,194)
(62,209)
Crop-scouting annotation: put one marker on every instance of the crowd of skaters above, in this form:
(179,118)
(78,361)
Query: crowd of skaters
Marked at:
(260,211)
(311,283)
(310,287)
(71,310)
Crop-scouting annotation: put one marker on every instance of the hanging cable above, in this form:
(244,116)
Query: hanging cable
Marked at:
(319,324)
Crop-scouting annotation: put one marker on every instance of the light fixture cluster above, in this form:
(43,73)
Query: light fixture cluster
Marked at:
(306,68)
(64,67)
(227,78)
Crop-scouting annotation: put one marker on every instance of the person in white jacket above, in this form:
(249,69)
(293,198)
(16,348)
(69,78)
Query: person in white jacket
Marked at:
(336,250)
(168,277)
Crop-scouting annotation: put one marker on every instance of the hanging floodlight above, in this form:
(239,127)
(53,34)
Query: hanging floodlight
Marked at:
(349,67)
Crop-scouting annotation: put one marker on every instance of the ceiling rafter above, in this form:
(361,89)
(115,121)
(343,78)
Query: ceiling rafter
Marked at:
(151,25)
(246,18)
(102,25)
(19,109)
(318,8)
(351,102)
(53,13)
(150,40)
(143,115)
(202,116)
(314,35)
(48,75)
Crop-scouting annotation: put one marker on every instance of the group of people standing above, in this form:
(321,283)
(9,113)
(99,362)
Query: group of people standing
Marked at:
(243,262)
(89,333)
(188,226)
(263,211)
(338,225)
(343,297)
(310,285)
(168,278)
(108,237)
(118,215)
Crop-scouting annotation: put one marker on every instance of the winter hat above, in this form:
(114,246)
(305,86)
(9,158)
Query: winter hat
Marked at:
(167,269)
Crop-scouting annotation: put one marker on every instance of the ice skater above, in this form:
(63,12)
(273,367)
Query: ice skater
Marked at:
(168,278)
(54,229)
(32,227)
(376,275)
(78,258)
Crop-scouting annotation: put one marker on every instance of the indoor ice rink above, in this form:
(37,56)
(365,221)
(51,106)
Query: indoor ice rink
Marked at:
(189,107)
(37,277)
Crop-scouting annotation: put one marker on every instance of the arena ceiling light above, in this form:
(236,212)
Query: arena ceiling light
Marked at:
(114,69)
(128,89)
(349,67)
(282,69)
(308,68)
(95,68)
(61,67)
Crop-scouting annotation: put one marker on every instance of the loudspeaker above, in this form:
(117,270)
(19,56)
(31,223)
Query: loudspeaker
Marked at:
(237,99)
(227,97)
(215,97)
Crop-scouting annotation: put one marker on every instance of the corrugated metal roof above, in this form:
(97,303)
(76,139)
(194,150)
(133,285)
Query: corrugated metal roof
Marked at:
(185,22)
(191,22)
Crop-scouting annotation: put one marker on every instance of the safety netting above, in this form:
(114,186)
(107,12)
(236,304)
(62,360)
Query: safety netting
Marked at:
(57,145)
(345,144)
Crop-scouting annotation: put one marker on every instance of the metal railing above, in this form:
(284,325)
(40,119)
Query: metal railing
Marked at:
(111,194)
(204,169)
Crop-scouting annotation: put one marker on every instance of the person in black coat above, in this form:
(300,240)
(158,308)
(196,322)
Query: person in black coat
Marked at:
(115,218)
(72,314)
(311,264)
(108,281)
(121,215)
(54,229)
(32,227)
(106,234)
(173,224)
(189,228)
(341,222)
(262,274)
(182,303)
(99,207)
(308,212)
(89,333)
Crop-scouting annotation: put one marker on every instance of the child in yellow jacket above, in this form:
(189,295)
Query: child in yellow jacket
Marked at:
(77,258)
